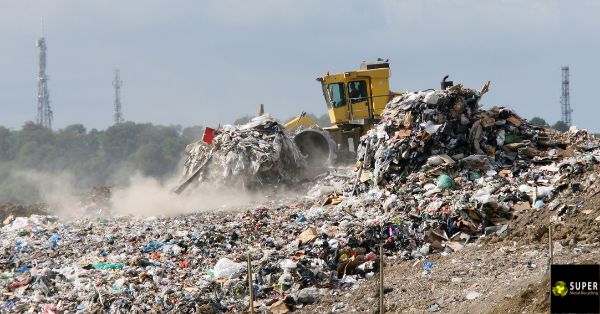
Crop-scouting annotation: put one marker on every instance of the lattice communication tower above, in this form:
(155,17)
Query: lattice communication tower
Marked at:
(117,83)
(44,115)
(565,99)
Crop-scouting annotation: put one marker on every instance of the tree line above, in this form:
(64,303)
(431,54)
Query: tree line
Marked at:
(559,125)
(91,158)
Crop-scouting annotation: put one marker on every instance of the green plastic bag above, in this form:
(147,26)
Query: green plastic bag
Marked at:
(512,138)
(105,265)
(445,181)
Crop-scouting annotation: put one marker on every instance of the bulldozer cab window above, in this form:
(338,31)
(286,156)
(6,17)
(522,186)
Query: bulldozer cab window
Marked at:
(357,91)
(335,95)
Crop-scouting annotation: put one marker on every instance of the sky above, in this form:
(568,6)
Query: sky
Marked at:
(191,62)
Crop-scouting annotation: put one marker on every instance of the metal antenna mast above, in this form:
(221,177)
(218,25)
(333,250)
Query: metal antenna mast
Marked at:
(117,103)
(565,100)
(44,115)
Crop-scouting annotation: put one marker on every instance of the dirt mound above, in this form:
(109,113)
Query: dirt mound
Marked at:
(533,298)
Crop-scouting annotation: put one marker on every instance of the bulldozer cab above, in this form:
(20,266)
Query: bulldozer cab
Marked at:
(357,97)
(355,101)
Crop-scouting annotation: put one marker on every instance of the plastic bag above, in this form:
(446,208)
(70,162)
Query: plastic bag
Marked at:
(445,182)
(105,265)
(225,268)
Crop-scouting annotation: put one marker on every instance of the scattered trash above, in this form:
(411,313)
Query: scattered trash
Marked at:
(495,229)
(538,204)
(472,295)
(279,307)
(308,235)
(427,267)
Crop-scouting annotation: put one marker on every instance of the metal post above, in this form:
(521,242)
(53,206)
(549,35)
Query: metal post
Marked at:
(360,171)
(381,305)
(250,284)
(550,244)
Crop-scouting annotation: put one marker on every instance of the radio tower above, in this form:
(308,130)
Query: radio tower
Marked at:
(117,85)
(44,112)
(565,101)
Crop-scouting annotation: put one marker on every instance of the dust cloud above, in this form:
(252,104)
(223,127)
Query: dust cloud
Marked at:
(57,190)
(149,197)
(145,196)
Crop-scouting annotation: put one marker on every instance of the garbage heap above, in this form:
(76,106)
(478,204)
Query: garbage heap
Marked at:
(452,172)
(258,152)
(447,123)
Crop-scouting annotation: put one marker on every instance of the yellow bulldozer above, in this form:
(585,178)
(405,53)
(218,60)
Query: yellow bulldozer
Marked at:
(355,101)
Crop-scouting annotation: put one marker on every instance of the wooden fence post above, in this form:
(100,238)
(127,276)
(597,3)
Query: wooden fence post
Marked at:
(251,303)
(381,304)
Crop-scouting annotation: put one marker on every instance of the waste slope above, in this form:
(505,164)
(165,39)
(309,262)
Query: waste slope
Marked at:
(447,172)
(417,125)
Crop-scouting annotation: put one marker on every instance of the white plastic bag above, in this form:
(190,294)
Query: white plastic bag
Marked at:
(225,268)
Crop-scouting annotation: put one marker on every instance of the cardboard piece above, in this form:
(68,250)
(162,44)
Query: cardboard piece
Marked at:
(308,235)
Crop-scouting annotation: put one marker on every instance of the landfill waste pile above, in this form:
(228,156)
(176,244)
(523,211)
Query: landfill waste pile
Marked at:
(455,171)
(255,153)
(434,176)
(188,264)
(303,249)
(11,210)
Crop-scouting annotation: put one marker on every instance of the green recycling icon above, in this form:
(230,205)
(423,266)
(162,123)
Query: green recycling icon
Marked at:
(560,289)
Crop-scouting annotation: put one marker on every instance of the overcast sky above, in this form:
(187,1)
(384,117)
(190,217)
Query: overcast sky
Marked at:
(208,62)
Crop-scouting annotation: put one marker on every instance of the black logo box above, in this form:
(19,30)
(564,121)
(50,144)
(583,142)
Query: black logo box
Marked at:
(571,303)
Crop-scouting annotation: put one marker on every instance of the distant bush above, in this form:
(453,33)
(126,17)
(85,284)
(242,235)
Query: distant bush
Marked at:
(92,157)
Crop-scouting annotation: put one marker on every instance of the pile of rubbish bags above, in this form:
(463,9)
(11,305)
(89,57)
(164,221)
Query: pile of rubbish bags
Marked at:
(455,172)
(439,127)
(254,154)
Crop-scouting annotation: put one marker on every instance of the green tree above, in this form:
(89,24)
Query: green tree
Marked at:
(121,140)
(5,143)
(76,145)
(560,126)
(193,133)
(93,157)
(537,121)
(150,160)
(76,129)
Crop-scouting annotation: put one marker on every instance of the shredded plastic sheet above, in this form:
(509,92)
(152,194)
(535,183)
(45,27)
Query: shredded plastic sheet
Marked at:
(259,152)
